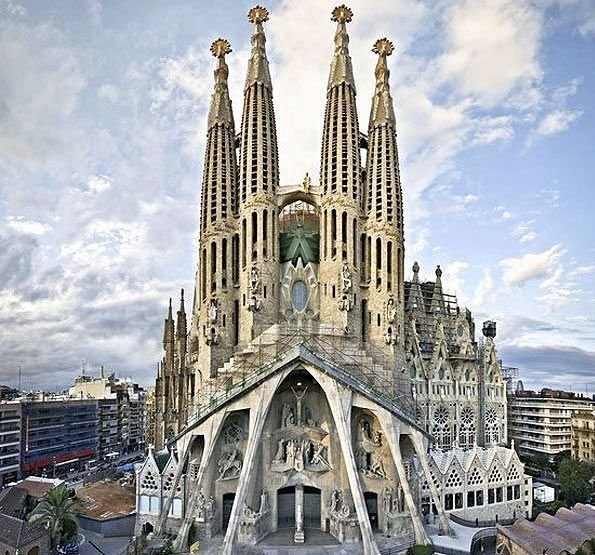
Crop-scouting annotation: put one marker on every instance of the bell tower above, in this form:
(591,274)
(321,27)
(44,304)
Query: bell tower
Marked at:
(341,191)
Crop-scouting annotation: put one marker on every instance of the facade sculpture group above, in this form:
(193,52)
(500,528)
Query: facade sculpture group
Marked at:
(314,382)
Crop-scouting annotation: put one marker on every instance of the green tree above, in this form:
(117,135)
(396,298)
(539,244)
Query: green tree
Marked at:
(57,512)
(575,485)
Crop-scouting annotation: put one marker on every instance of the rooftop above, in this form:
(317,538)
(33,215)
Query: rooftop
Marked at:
(565,532)
(38,487)
(105,499)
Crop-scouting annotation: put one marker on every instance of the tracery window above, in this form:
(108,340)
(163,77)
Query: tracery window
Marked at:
(492,427)
(475,478)
(467,429)
(441,428)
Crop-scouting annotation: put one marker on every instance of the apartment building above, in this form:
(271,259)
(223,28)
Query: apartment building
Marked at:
(57,433)
(10,442)
(583,435)
(541,422)
(121,410)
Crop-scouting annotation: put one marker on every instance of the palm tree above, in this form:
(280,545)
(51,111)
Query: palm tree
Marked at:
(57,512)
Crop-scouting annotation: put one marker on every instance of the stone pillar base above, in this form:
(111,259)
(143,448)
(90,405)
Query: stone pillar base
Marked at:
(299,536)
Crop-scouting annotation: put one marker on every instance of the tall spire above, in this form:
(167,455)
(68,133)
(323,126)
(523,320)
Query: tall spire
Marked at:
(340,170)
(384,188)
(259,163)
(382,111)
(181,320)
(219,173)
(341,70)
(168,328)
(220,111)
(258,65)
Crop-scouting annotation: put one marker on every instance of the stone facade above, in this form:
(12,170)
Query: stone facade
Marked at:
(312,379)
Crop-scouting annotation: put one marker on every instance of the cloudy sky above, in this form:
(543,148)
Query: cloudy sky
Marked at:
(102,123)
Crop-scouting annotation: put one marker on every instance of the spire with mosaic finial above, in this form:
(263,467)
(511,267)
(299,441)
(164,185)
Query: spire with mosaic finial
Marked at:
(258,65)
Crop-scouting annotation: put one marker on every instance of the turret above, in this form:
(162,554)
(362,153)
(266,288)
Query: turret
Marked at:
(258,184)
(340,182)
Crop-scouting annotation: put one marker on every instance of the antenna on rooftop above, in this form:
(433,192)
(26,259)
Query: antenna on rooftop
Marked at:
(20,373)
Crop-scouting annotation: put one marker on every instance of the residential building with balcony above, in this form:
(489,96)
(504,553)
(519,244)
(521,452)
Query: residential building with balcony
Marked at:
(10,442)
(583,435)
(541,422)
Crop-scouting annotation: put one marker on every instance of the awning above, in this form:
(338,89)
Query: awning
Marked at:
(66,462)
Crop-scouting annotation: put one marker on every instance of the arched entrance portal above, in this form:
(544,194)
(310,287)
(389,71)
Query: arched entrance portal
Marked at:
(286,507)
(311,507)
(372,507)
(227,505)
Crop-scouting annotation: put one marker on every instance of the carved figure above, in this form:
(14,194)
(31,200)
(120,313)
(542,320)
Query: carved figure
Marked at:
(319,456)
(229,465)
(254,278)
(280,455)
(345,303)
(346,280)
(376,467)
(287,416)
(391,310)
(213,311)
(200,507)
(336,499)
(264,503)
(212,336)
(210,508)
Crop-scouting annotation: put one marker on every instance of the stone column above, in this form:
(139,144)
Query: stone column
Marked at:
(298,537)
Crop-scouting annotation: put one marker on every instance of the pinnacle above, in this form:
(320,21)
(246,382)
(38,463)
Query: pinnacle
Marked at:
(383,47)
(220,47)
(258,14)
(342,14)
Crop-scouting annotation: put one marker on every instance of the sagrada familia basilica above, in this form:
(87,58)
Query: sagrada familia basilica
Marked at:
(315,389)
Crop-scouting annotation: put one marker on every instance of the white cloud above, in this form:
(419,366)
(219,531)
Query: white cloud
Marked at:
(483,288)
(28,227)
(108,92)
(40,82)
(99,183)
(524,232)
(556,122)
(493,49)
(454,275)
(517,271)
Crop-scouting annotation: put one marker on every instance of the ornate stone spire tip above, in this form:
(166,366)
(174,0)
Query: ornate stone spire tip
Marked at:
(258,14)
(342,14)
(383,47)
(220,47)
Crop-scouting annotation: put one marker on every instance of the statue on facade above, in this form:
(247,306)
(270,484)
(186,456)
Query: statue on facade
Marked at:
(254,278)
(200,507)
(287,416)
(229,465)
(264,503)
(391,310)
(346,280)
(213,311)
(345,303)
(210,508)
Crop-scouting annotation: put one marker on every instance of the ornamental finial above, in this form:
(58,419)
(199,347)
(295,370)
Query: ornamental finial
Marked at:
(383,46)
(342,14)
(258,14)
(220,47)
